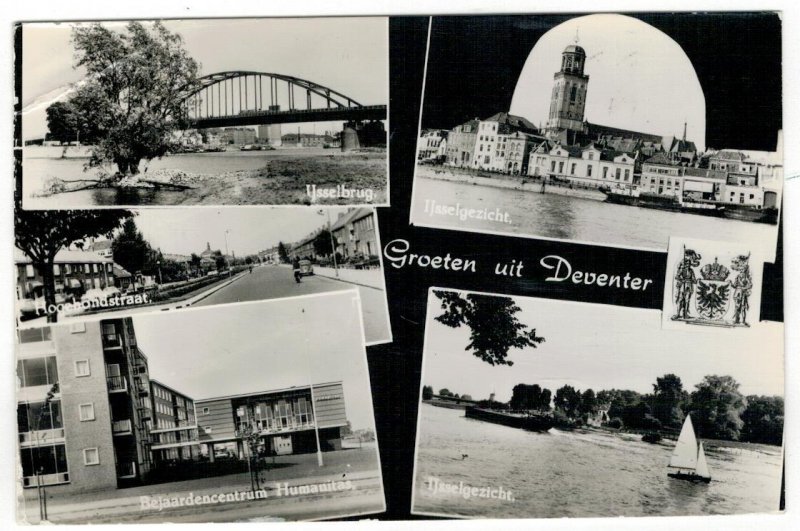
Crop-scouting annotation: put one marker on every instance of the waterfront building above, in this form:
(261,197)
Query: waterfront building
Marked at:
(664,174)
(519,146)
(239,136)
(301,419)
(461,142)
(82,406)
(432,145)
(307,140)
(75,272)
(355,233)
(491,147)
(590,166)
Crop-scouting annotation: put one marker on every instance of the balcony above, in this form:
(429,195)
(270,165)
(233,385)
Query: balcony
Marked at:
(142,390)
(126,470)
(31,438)
(117,384)
(112,341)
(121,427)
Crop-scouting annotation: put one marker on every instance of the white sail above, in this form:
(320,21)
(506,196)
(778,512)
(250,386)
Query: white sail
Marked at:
(685,453)
(702,466)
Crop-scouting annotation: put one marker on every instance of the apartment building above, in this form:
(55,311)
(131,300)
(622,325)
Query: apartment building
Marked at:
(83,406)
(355,233)
(174,428)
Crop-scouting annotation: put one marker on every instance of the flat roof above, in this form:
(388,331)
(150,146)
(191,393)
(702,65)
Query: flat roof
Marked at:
(258,393)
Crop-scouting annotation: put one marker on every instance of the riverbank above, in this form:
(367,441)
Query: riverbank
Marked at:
(278,177)
(511,182)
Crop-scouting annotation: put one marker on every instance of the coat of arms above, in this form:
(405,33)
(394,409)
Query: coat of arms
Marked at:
(705,294)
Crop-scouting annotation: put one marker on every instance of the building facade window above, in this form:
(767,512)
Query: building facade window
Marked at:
(29,271)
(589,169)
(86,412)
(44,461)
(34,335)
(91,456)
(37,416)
(37,371)
(82,368)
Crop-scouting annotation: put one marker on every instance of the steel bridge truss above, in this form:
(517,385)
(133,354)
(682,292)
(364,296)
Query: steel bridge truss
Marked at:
(241,93)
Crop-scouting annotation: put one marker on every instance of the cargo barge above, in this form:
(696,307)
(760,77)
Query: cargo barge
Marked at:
(529,422)
(703,208)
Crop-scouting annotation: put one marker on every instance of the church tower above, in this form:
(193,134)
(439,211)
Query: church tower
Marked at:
(568,100)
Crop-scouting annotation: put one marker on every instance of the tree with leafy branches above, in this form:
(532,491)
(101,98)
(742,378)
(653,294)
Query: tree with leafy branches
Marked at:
(493,323)
(283,253)
(41,234)
(132,99)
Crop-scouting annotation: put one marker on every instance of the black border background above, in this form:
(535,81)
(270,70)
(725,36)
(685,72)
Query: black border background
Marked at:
(475,62)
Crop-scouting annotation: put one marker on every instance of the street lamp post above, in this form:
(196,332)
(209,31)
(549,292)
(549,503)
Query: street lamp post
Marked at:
(227,261)
(160,279)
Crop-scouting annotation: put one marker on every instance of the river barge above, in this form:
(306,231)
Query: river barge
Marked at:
(703,208)
(529,422)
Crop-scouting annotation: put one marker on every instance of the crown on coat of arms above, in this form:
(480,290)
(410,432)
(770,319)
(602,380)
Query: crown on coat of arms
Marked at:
(715,271)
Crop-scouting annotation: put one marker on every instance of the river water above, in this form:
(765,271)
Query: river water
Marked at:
(583,220)
(581,473)
(42,163)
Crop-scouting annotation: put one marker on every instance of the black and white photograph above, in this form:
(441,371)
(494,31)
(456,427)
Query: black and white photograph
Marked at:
(199,416)
(712,284)
(79,265)
(215,112)
(536,408)
(602,129)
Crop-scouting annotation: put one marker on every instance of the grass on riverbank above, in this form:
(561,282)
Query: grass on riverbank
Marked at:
(283,181)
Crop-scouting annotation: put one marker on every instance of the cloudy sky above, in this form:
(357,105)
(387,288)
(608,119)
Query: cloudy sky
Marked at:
(187,230)
(350,55)
(604,347)
(639,78)
(252,347)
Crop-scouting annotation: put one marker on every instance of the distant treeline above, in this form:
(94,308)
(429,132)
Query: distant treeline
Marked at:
(718,409)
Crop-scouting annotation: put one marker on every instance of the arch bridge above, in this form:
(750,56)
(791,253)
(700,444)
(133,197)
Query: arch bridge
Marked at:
(239,98)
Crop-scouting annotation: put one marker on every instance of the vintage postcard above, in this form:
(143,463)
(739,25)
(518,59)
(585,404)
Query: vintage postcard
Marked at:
(199,416)
(97,264)
(537,408)
(713,284)
(597,129)
(205,112)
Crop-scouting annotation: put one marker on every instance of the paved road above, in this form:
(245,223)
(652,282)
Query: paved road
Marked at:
(272,282)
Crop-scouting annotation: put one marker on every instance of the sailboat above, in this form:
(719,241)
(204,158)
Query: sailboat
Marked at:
(688,459)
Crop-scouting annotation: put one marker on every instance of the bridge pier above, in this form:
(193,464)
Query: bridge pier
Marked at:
(357,134)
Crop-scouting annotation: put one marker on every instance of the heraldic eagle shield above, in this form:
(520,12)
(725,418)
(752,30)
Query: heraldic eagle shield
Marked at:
(713,297)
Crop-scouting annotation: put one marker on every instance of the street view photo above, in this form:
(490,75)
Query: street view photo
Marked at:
(205,112)
(199,416)
(75,265)
(594,130)
(521,416)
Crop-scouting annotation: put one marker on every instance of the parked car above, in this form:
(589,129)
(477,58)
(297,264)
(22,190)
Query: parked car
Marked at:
(306,269)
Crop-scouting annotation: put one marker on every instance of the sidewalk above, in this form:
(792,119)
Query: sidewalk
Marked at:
(371,278)
(360,467)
